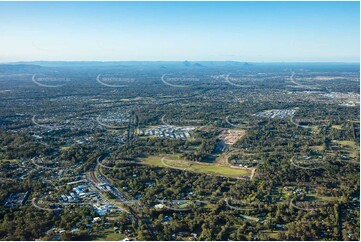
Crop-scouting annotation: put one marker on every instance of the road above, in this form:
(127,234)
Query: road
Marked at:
(33,201)
(133,208)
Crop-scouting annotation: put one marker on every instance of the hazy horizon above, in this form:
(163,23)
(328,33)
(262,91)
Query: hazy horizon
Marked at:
(179,31)
(181,61)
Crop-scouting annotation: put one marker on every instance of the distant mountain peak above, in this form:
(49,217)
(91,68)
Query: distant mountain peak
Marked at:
(186,63)
(198,65)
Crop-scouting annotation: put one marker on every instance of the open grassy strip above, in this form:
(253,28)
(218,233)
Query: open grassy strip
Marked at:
(107,235)
(7,160)
(196,167)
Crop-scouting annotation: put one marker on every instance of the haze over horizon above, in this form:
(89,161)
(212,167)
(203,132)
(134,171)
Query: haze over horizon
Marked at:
(178,31)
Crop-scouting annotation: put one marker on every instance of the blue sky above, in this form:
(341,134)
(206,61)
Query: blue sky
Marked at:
(240,31)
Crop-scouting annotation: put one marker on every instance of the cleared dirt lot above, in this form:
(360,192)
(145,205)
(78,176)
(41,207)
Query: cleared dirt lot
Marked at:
(230,136)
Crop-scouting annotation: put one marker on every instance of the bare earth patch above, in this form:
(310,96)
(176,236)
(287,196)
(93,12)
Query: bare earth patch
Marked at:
(231,136)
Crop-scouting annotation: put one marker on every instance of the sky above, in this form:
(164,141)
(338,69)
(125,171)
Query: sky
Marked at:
(178,31)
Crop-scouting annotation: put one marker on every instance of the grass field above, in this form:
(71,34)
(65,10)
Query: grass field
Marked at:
(339,127)
(315,197)
(351,147)
(108,235)
(6,160)
(272,235)
(172,161)
(317,147)
(350,143)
